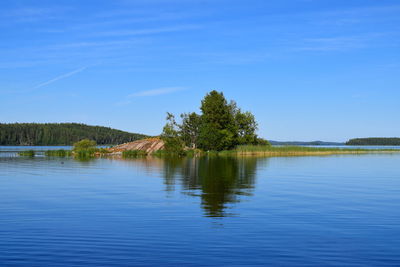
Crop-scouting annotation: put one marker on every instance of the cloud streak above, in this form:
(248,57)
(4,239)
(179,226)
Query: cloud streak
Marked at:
(61,77)
(151,93)
(150,31)
(157,92)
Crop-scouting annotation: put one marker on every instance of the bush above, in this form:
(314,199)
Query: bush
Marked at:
(84,144)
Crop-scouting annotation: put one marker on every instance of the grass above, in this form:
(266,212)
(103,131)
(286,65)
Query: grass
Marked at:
(77,153)
(134,153)
(27,153)
(185,153)
(58,153)
(303,150)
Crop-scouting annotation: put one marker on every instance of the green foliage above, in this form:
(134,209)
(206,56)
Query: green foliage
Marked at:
(103,151)
(61,134)
(133,153)
(374,141)
(221,126)
(173,142)
(247,127)
(87,149)
(262,142)
(189,129)
(218,129)
(28,153)
(58,153)
(84,144)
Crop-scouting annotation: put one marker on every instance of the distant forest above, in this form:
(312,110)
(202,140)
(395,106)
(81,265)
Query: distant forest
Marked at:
(61,134)
(374,141)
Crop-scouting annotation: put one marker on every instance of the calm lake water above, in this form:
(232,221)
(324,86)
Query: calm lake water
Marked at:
(287,211)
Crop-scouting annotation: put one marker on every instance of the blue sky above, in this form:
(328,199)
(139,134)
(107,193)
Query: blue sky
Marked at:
(308,69)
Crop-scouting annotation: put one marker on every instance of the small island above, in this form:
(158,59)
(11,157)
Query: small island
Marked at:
(221,128)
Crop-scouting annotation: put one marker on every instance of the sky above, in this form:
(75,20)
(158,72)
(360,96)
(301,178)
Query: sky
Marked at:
(307,69)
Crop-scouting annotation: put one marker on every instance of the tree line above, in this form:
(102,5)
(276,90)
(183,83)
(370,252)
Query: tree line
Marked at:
(221,125)
(374,141)
(61,134)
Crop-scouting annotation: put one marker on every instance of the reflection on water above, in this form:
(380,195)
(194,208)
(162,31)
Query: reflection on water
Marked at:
(309,211)
(219,181)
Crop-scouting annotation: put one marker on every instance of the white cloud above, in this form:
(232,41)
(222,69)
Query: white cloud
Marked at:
(63,76)
(150,93)
(157,92)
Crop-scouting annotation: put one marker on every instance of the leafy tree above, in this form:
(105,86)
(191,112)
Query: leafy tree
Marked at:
(262,142)
(190,128)
(171,136)
(247,127)
(218,128)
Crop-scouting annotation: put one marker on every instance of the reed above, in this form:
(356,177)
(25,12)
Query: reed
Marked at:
(58,153)
(302,150)
(134,153)
(27,153)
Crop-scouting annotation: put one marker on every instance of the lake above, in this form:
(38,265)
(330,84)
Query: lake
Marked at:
(339,210)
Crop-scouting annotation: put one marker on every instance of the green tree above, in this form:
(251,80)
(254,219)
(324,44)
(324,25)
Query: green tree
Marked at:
(172,137)
(247,127)
(218,128)
(190,128)
(221,126)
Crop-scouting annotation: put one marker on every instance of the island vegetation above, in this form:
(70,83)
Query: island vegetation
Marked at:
(374,141)
(46,134)
(221,125)
(221,128)
(27,153)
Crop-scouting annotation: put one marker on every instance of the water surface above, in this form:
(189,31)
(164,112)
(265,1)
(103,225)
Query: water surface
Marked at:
(332,210)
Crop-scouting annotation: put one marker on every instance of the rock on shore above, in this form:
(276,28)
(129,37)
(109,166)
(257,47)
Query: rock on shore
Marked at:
(149,145)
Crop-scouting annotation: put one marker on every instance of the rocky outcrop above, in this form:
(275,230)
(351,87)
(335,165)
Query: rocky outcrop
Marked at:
(149,145)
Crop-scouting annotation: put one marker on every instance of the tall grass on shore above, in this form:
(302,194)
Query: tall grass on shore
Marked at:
(27,153)
(58,153)
(184,153)
(134,153)
(302,150)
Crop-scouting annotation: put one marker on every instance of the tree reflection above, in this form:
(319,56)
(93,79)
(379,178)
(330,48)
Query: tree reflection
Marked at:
(219,181)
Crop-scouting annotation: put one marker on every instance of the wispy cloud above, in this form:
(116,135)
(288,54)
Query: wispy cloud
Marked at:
(332,43)
(63,76)
(149,31)
(32,14)
(341,43)
(150,93)
(157,92)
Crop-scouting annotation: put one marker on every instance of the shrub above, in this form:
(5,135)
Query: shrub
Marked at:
(84,144)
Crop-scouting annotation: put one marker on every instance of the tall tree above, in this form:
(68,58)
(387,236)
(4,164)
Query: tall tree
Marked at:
(247,127)
(218,128)
(171,136)
(221,126)
(190,128)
